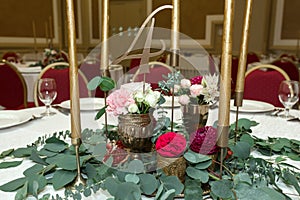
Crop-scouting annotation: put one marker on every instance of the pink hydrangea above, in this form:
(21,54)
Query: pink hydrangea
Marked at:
(118,101)
(204,140)
(184,99)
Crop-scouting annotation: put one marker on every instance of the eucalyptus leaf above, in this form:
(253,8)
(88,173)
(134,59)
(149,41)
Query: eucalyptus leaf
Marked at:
(242,177)
(194,173)
(241,150)
(222,188)
(136,166)
(100,113)
(148,183)
(192,190)
(13,185)
(292,180)
(35,169)
(204,165)
(94,83)
(5,165)
(39,179)
(6,153)
(106,84)
(62,177)
(55,147)
(22,152)
(44,152)
(132,178)
(22,192)
(272,194)
(194,158)
(36,158)
(172,182)
(168,195)
(111,185)
(55,140)
(159,191)
(128,191)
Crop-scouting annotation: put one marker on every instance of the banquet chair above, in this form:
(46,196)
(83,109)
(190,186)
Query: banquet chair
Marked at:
(60,72)
(262,83)
(289,67)
(13,87)
(12,57)
(156,72)
(252,58)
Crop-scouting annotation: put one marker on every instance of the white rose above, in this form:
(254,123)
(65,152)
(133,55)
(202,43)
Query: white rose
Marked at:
(156,94)
(151,100)
(133,108)
(139,96)
(185,83)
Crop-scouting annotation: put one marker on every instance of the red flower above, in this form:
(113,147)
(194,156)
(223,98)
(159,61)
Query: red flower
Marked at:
(204,140)
(170,144)
(196,80)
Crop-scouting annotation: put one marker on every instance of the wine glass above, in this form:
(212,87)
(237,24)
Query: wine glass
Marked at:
(288,95)
(47,93)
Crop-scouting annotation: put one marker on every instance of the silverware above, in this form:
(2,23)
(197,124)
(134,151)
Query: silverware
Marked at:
(294,119)
(62,110)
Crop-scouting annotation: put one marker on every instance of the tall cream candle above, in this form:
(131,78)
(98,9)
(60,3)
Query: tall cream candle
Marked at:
(104,36)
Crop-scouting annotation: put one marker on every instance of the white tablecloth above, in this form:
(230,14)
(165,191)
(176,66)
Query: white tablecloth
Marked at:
(21,135)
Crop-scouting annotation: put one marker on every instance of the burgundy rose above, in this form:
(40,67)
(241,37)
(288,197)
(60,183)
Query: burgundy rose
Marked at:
(204,140)
(170,144)
(196,80)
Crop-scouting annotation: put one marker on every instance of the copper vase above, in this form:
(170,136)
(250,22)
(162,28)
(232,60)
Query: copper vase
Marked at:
(135,131)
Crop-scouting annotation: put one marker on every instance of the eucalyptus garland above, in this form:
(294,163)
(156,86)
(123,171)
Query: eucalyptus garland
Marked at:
(244,177)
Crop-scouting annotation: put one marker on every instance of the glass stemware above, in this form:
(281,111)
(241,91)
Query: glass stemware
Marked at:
(47,94)
(288,94)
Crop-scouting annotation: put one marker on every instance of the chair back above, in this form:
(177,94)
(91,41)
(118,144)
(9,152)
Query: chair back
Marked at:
(60,72)
(262,83)
(13,87)
(156,72)
(12,57)
(252,58)
(289,67)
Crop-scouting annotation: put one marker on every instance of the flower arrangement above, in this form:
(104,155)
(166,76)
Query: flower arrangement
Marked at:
(199,90)
(51,56)
(123,101)
(171,144)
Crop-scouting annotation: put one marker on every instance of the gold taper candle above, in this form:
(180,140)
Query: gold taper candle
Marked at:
(174,59)
(104,62)
(240,80)
(225,82)
(34,36)
(74,87)
(51,31)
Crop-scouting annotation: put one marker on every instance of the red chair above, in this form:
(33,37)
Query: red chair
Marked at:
(157,70)
(262,83)
(60,72)
(252,58)
(13,87)
(289,67)
(12,57)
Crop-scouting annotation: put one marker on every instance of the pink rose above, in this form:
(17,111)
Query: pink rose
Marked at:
(196,90)
(185,83)
(184,99)
(118,101)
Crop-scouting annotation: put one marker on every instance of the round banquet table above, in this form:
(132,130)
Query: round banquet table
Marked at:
(26,133)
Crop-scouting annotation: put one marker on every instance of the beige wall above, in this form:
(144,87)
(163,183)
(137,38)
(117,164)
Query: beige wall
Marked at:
(131,13)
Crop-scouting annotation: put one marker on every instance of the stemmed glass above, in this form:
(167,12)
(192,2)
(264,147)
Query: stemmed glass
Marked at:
(288,94)
(47,93)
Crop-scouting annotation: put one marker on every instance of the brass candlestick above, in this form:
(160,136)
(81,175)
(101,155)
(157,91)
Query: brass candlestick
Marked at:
(225,84)
(239,89)
(74,88)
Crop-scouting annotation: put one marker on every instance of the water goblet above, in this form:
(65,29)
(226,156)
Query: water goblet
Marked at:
(47,94)
(288,94)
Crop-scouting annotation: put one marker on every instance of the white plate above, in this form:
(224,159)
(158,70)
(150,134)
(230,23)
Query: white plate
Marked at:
(86,104)
(252,106)
(168,103)
(13,118)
